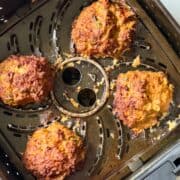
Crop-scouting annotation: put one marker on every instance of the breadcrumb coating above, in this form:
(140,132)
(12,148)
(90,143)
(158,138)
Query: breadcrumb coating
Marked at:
(25,79)
(141,97)
(53,152)
(104,29)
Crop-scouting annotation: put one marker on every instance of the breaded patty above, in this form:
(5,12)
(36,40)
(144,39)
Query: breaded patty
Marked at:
(104,29)
(25,79)
(141,97)
(53,152)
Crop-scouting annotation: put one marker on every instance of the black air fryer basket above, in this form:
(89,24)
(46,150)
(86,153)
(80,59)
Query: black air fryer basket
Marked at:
(82,100)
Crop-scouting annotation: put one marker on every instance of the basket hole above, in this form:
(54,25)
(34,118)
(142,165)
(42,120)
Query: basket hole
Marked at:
(101,140)
(118,150)
(12,39)
(119,141)
(108,133)
(83,127)
(162,65)
(99,171)
(41,126)
(53,15)
(32,48)
(127,148)
(31,26)
(150,60)
(45,106)
(23,127)
(141,38)
(38,22)
(81,8)
(37,25)
(33,116)
(177,162)
(20,115)
(86,97)
(50,29)
(7,113)
(57,118)
(30,37)
(100,130)
(119,132)
(142,45)
(118,124)
(8,46)
(17,135)
(71,76)
(38,32)
(10,126)
(98,121)
(128,136)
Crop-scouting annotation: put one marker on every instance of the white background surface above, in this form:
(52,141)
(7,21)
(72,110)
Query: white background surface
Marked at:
(173,7)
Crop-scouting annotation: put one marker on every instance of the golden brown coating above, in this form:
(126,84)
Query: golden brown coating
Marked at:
(53,152)
(104,29)
(25,79)
(141,97)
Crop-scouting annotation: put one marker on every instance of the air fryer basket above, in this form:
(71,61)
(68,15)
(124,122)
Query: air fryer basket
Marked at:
(83,102)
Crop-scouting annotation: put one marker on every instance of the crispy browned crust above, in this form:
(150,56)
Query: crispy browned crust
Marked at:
(53,152)
(104,29)
(141,97)
(25,79)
